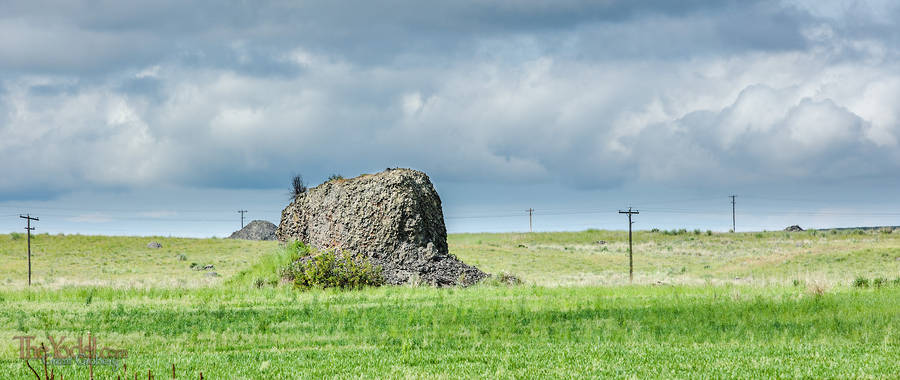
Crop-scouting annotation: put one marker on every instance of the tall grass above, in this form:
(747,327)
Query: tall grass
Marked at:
(267,271)
(483,331)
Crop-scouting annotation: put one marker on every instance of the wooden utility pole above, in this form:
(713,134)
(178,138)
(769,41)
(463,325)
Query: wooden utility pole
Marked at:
(28,229)
(733,225)
(242,212)
(530,214)
(630,212)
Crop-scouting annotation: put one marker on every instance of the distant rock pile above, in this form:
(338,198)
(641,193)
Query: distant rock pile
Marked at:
(392,218)
(256,230)
(154,245)
(794,228)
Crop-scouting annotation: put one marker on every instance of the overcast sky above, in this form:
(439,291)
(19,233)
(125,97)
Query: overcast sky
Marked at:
(163,117)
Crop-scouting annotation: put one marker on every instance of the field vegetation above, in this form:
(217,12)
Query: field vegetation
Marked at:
(747,305)
(78,260)
(596,257)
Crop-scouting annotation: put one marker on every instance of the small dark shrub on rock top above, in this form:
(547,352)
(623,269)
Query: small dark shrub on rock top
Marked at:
(297,186)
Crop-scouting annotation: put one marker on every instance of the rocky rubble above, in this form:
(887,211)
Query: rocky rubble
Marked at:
(393,218)
(256,230)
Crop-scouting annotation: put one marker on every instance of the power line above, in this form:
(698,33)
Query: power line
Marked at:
(111,218)
(810,200)
(22,207)
(519,215)
(544,212)
(670,201)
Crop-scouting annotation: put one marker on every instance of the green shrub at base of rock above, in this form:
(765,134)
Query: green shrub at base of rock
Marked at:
(298,250)
(334,270)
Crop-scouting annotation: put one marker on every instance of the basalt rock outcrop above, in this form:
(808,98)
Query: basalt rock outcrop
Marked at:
(256,230)
(393,218)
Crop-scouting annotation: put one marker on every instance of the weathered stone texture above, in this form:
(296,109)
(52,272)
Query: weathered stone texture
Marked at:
(393,218)
(256,230)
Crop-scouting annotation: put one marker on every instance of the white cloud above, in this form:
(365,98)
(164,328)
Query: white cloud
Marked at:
(585,103)
(150,72)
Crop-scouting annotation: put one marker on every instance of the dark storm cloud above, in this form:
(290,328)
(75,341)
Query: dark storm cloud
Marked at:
(591,94)
(96,37)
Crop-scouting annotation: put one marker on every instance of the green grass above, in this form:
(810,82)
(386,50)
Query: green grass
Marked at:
(688,317)
(67,260)
(523,331)
(575,258)
(547,259)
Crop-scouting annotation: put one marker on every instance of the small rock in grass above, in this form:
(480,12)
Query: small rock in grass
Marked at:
(154,245)
(209,267)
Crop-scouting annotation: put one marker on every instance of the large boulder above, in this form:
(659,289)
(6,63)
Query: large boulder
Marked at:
(256,230)
(392,218)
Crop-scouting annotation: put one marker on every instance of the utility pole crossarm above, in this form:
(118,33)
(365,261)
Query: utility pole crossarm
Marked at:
(29,217)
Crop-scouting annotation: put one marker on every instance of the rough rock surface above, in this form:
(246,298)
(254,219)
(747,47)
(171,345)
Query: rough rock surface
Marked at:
(256,230)
(794,228)
(393,218)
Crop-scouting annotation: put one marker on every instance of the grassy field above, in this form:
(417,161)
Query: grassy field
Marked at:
(690,257)
(687,316)
(546,259)
(525,331)
(76,260)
